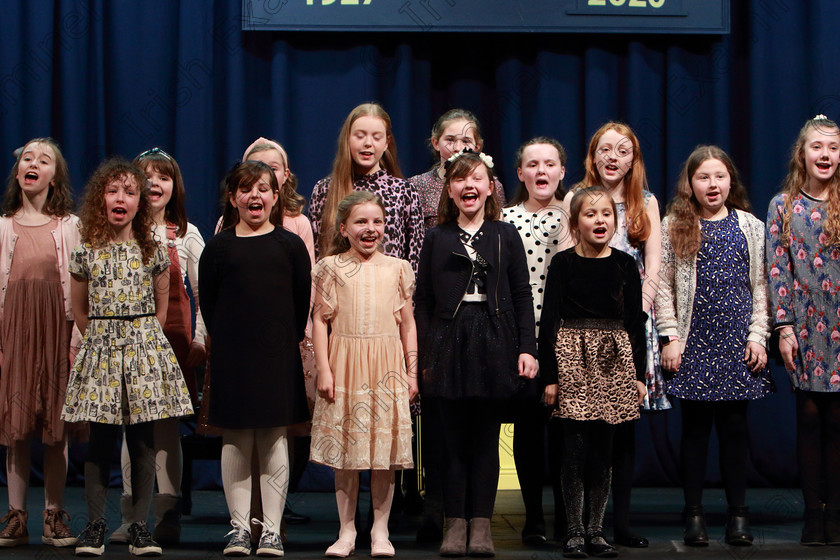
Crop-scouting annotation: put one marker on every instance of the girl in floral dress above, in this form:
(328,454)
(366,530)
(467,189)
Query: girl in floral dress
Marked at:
(126,373)
(803,255)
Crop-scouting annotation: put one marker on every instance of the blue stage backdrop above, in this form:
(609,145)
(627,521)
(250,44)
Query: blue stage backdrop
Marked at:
(120,77)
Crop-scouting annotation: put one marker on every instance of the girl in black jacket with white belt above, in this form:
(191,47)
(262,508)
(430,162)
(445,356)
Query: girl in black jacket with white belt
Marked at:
(475,322)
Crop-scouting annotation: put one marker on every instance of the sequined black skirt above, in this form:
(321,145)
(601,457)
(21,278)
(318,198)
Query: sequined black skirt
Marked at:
(473,356)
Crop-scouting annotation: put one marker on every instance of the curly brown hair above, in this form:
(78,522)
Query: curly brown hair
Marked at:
(684,209)
(95,227)
(461,167)
(59,201)
(797,178)
(635,182)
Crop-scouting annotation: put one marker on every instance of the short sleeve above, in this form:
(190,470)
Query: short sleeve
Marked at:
(323,282)
(78,264)
(160,260)
(406,286)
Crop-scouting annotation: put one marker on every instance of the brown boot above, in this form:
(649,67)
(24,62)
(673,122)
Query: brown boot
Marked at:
(15,533)
(481,541)
(56,531)
(455,538)
(167,519)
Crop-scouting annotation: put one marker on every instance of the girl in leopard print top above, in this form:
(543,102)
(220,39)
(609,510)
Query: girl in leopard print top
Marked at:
(366,159)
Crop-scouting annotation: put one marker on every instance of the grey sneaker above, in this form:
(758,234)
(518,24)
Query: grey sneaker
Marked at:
(240,541)
(270,544)
(141,542)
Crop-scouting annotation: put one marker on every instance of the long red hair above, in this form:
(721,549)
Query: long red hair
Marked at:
(635,182)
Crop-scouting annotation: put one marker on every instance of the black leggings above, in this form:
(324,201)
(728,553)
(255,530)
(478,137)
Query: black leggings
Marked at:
(471,464)
(730,421)
(586,472)
(141,451)
(818,447)
(529,454)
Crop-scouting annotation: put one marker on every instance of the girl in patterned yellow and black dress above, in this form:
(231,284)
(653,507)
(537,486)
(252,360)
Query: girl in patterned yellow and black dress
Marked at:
(126,373)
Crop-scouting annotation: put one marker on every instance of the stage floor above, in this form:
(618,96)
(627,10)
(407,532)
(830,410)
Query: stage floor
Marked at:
(775,521)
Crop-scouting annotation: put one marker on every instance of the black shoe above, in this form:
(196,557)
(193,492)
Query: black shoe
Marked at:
(832,526)
(597,545)
(534,534)
(291,517)
(92,540)
(813,531)
(738,527)
(574,545)
(695,527)
(630,540)
(140,540)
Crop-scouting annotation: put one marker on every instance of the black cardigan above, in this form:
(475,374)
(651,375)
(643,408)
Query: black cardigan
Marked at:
(445,271)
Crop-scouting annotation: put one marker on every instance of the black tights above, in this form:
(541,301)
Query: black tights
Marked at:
(471,433)
(141,451)
(818,447)
(730,421)
(587,466)
(623,469)
(529,455)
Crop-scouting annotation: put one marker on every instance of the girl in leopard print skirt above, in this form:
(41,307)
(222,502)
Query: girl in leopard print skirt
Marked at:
(592,361)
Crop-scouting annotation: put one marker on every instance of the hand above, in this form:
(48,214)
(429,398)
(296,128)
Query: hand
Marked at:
(326,386)
(756,356)
(788,347)
(527,366)
(197,355)
(550,394)
(641,389)
(413,390)
(671,356)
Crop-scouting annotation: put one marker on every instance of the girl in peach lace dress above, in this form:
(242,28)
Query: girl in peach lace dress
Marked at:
(366,367)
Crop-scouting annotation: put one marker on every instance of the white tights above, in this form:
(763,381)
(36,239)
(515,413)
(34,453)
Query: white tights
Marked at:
(273,456)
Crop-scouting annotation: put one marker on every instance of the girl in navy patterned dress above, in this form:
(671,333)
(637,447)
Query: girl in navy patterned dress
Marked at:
(713,317)
(366,159)
(803,255)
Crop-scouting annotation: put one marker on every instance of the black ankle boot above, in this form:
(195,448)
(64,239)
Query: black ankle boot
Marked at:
(695,527)
(813,531)
(738,526)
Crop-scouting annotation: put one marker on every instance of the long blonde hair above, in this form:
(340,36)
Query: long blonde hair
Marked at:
(635,182)
(797,177)
(343,175)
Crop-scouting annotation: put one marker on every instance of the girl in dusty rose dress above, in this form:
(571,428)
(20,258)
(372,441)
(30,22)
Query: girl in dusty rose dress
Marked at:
(37,231)
(366,367)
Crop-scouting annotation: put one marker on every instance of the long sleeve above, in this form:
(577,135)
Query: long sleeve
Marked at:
(760,321)
(424,299)
(414,228)
(316,209)
(301,284)
(635,317)
(666,316)
(520,290)
(208,283)
(779,266)
(552,296)
(192,246)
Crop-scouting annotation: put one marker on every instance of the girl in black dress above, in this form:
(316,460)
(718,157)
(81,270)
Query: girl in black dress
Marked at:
(254,285)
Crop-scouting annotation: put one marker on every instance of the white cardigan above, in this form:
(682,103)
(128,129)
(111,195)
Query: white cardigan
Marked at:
(678,280)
